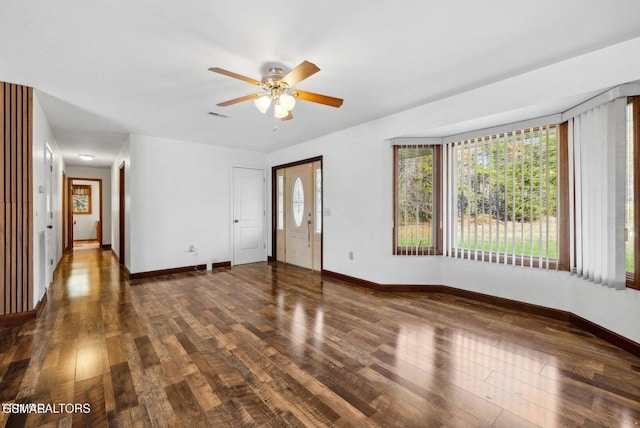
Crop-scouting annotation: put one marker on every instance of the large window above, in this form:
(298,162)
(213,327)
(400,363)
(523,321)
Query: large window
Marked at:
(492,198)
(506,197)
(417,177)
(562,196)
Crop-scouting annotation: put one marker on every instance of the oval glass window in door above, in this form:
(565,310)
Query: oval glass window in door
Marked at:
(298,201)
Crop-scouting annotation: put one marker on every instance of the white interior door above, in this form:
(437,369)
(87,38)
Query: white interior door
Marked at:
(48,233)
(248,215)
(299,219)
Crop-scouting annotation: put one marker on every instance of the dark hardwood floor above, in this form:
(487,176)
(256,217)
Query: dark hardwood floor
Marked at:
(264,345)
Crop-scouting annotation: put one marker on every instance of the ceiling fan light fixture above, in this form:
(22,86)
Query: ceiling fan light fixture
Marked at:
(279,111)
(278,86)
(287,101)
(262,103)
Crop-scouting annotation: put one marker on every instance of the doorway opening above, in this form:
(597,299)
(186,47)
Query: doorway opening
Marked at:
(297,213)
(84,213)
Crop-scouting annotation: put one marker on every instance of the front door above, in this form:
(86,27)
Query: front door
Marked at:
(248,215)
(299,214)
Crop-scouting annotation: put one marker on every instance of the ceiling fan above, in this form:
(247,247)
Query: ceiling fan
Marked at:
(278,89)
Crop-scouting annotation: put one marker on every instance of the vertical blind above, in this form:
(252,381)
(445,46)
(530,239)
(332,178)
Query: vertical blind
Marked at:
(415,208)
(502,198)
(597,147)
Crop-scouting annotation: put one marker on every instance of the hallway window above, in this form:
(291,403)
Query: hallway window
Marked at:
(81,196)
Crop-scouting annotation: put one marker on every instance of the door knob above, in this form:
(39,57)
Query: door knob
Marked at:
(236,221)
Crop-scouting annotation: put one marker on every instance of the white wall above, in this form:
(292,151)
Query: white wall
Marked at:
(105,175)
(180,195)
(42,135)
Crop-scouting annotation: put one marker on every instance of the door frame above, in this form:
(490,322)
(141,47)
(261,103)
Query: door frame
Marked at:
(274,205)
(121,214)
(65,215)
(70,181)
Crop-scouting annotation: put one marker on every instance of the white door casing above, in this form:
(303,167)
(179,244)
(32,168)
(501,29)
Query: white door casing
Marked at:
(248,215)
(48,233)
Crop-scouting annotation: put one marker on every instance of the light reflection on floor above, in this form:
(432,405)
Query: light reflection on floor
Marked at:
(415,354)
(79,283)
(468,365)
(514,382)
(298,324)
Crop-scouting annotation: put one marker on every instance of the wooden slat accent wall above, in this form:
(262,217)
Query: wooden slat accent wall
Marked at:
(16,197)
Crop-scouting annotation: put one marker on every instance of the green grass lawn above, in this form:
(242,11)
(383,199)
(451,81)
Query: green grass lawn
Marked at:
(629,255)
(472,239)
(421,235)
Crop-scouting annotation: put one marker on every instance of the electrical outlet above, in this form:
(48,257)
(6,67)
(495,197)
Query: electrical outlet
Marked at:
(350,255)
(192,248)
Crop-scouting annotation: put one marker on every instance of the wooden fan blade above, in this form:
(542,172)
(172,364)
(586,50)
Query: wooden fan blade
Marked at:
(288,116)
(301,72)
(238,100)
(318,98)
(235,75)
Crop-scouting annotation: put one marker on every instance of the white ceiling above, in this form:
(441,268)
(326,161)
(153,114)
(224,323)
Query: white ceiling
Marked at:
(106,69)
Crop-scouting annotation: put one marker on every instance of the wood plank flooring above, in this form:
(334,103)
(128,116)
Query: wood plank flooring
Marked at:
(276,346)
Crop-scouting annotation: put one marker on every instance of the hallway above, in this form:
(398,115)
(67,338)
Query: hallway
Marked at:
(264,345)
